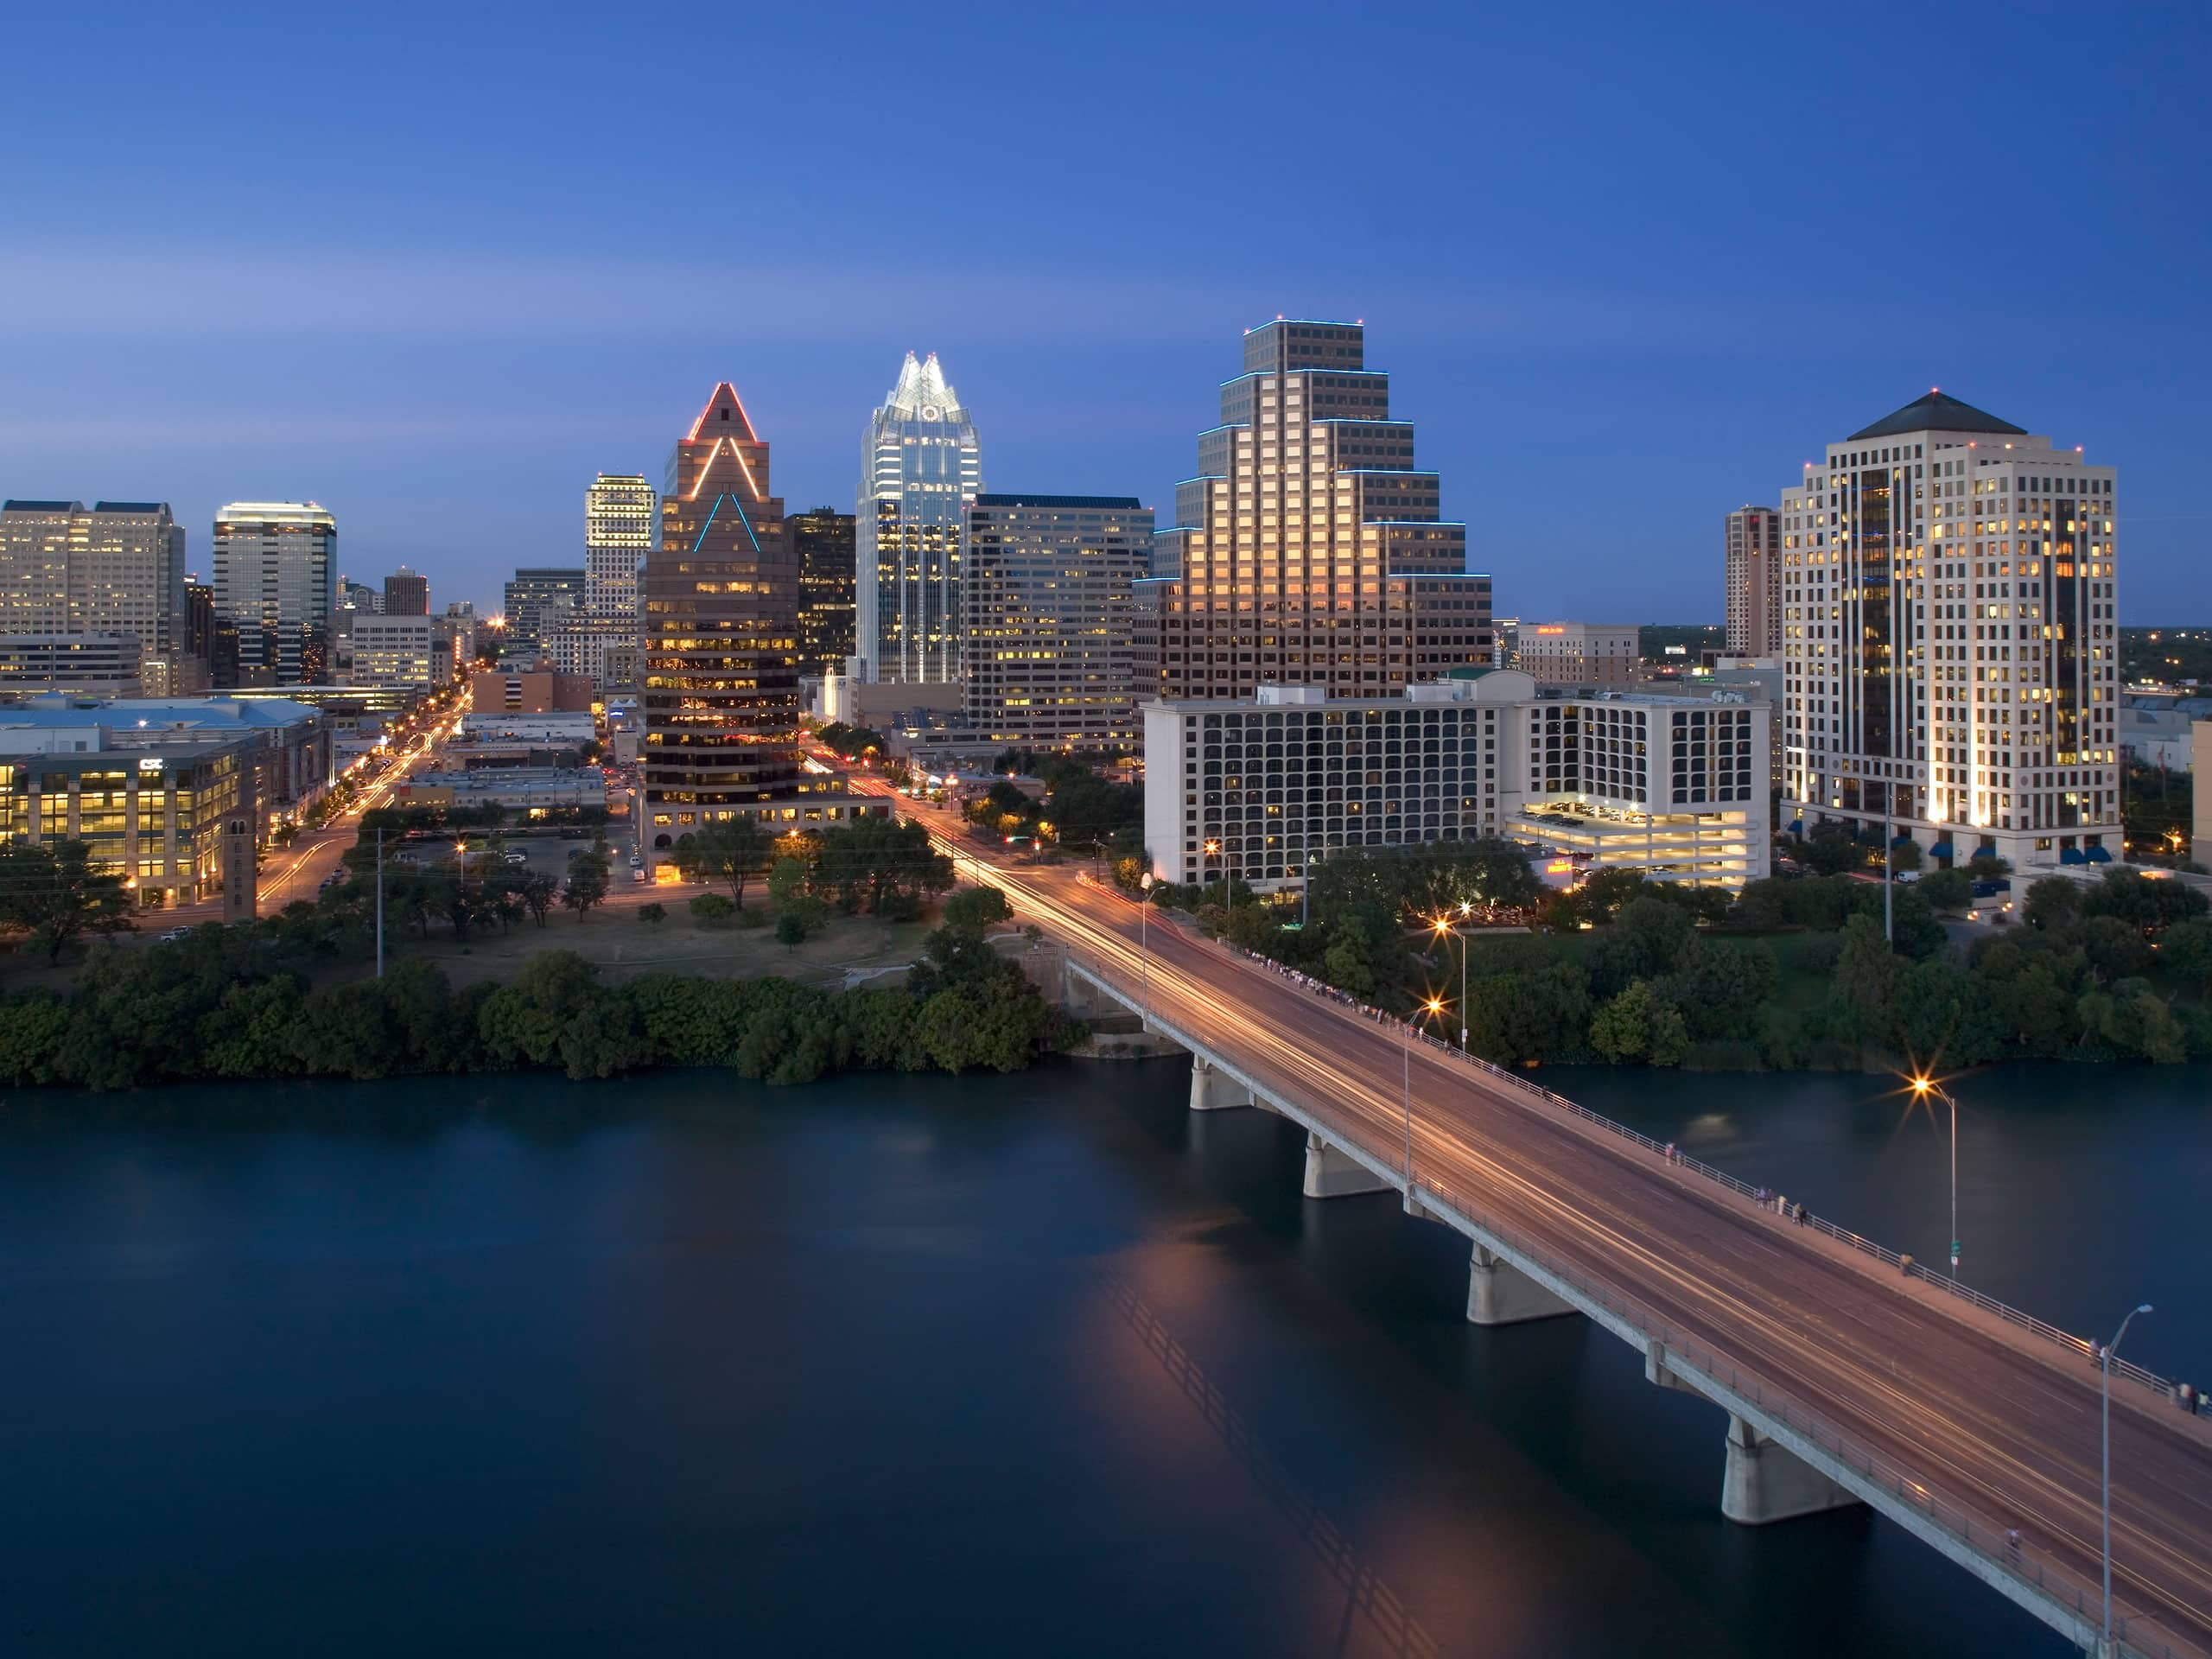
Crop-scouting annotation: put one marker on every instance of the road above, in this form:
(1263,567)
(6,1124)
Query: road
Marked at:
(1996,1421)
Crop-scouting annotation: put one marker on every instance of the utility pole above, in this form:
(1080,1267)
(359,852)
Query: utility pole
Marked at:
(2105,1649)
(1889,884)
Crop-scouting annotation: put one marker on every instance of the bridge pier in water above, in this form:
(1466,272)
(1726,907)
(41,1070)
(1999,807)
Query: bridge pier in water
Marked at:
(1212,1090)
(1333,1175)
(1766,1482)
(1500,1293)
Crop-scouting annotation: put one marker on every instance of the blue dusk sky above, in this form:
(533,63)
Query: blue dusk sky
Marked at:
(1629,267)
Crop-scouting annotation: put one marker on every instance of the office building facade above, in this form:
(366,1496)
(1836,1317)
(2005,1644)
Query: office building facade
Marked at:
(719,605)
(1261,790)
(117,569)
(1950,648)
(276,568)
(921,468)
(1751,565)
(406,594)
(622,523)
(70,665)
(397,649)
(1579,653)
(825,543)
(1047,589)
(537,591)
(1307,502)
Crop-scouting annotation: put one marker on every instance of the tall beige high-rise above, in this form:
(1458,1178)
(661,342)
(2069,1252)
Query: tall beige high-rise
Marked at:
(1311,549)
(1751,538)
(1950,647)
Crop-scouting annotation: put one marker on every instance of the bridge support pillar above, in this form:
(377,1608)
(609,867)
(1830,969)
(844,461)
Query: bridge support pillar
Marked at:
(1500,1293)
(1764,1483)
(1331,1174)
(1214,1091)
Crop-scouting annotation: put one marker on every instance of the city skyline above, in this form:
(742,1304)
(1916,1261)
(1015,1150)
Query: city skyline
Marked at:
(1580,327)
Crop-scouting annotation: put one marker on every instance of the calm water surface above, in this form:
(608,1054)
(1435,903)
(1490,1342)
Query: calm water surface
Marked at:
(1034,1365)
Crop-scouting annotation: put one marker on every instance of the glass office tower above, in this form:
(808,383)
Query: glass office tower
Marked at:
(920,471)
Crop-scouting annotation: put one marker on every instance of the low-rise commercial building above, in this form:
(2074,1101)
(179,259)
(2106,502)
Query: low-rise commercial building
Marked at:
(537,691)
(2155,726)
(1674,786)
(289,743)
(533,792)
(156,813)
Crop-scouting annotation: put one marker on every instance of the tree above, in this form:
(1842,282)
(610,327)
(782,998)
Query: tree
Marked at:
(731,852)
(53,892)
(787,879)
(711,909)
(652,915)
(792,929)
(2054,901)
(1867,975)
(1640,1025)
(586,885)
(974,909)
(2186,951)
(864,860)
(537,891)
(1905,855)
(2116,949)
(1947,889)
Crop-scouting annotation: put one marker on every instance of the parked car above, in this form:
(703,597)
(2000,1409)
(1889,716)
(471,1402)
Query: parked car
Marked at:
(636,872)
(516,857)
(173,934)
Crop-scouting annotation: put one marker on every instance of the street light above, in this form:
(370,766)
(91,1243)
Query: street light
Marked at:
(2104,1364)
(1212,848)
(1144,955)
(1431,1007)
(1922,1087)
(1443,928)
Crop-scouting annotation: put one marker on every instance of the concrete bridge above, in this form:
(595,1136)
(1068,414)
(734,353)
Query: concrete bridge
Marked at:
(1843,1373)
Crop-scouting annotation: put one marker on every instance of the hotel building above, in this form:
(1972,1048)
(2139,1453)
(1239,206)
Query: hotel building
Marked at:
(1751,554)
(921,470)
(1950,640)
(1047,589)
(1297,546)
(1673,786)
(276,577)
(719,603)
(1579,653)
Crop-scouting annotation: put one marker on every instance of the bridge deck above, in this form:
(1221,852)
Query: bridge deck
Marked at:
(1985,1424)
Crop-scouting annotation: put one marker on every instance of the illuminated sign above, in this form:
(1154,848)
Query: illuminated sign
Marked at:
(1551,630)
(149,763)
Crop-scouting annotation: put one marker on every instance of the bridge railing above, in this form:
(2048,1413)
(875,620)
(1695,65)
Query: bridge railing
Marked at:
(2164,1388)
(2024,1559)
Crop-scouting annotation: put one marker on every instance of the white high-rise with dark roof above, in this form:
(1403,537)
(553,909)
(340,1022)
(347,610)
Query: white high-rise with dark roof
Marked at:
(920,471)
(1949,641)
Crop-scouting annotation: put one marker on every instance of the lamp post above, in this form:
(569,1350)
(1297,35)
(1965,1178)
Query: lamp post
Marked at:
(1922,1087)
(1443,926)
(1206,881)
(1144,952)
(2104,1364)
(1405,1055)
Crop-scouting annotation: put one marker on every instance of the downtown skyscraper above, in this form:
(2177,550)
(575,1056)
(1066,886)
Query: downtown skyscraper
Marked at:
(824,541)
(276,577)
(622,523)
(1950,645)
(719,680)
(1310,550)
(920,471)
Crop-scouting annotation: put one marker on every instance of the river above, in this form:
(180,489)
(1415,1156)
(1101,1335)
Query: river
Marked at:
(1031,1365)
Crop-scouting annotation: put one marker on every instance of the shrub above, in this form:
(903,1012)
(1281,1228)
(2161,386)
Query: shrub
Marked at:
(712,909)
(651,914)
